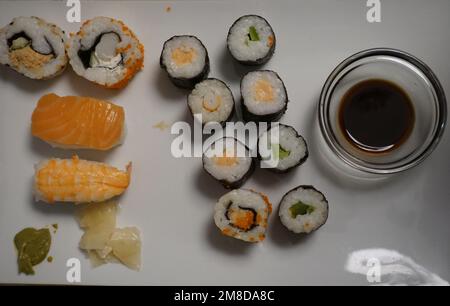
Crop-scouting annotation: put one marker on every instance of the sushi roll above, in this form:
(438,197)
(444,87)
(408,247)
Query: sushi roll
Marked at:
(228,161)
(303,209)
(243,214)
(78,122)
(212,99)
(33,47)
(105,51)
(251,40)
(78,181)
(186,61)
(264,97)
(288,151)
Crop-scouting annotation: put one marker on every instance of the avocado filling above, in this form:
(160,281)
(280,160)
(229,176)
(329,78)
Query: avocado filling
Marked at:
(301,209)
(19,43)
(33,246)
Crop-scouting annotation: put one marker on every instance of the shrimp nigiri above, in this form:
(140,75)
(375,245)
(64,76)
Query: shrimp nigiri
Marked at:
(78,181)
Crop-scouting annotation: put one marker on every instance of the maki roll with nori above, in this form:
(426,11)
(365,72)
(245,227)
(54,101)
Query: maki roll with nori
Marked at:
(105,51)
(251,40)
(186,61)
(264,97)
(303,209)
(212,99)
(284,146)
(33,47)
(243,214)
(228,161)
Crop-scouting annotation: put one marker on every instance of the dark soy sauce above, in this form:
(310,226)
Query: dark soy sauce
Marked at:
(376,116)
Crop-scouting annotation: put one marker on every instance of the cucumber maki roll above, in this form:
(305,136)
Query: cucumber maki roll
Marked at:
(212,99)
(105,51)
(243,214)
(33,47)
(228,161)
(264,96)
(288,151)
(303,209)
(186,61)
(251,40)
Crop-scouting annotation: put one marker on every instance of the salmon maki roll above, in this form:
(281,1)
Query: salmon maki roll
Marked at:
(186,61)
(78,122)
(105,51)
(78,181)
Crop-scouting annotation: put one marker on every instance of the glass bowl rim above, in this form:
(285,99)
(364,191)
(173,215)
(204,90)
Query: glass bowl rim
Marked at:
(417,63)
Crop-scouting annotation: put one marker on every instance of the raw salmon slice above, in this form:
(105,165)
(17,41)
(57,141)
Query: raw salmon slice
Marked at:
(78,122)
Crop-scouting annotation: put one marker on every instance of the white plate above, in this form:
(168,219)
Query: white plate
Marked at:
(171,200)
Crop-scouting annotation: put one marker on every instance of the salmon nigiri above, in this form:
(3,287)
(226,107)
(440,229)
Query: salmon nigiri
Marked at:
(79,181)
(78,122)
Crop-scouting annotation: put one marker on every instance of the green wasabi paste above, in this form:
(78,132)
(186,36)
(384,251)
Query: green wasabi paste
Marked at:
(32,246)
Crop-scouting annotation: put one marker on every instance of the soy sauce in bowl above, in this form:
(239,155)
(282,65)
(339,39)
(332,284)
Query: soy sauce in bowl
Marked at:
(376,116)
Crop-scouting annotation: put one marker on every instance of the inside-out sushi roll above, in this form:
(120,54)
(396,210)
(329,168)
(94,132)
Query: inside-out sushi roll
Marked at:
(243,214)
(105,51)
(212,99)
(303,209)
(229,161)
(186,61)
(33,47)
(288,151)
(264,96)
(251,40)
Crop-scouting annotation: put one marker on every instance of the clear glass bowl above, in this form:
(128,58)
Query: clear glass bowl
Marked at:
(416,79)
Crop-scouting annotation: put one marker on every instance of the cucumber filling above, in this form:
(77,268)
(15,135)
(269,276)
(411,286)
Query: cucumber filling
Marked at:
(279,152)
(301,209)
(253,34)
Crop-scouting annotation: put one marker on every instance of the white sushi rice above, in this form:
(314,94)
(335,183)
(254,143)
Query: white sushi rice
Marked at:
(238,41)
(308,222)
(289,140)
(186,71)
(232,147)
(85,39)
(251,101)
(45,39)
(216,96)
(238,199)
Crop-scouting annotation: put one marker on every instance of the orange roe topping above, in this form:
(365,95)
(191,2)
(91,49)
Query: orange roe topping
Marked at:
(242,219)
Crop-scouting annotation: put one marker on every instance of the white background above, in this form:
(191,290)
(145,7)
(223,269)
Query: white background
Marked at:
(172,201)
